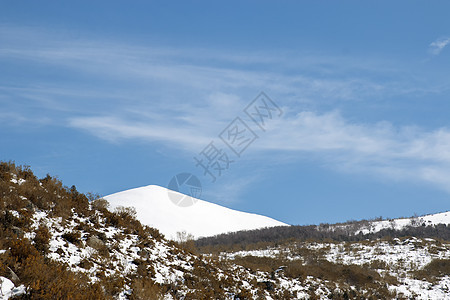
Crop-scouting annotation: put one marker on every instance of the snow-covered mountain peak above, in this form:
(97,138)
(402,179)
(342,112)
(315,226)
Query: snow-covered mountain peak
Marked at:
(155,208)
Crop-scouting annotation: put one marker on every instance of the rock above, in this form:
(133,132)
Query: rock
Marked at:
(267,285)
(30,206)
(13,276)
(95,242)
(144,253)
(17,231)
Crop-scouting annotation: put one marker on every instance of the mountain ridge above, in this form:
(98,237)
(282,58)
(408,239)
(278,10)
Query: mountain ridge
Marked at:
(202,219)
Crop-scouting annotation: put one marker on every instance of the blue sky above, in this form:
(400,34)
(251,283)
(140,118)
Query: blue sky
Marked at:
(115,95)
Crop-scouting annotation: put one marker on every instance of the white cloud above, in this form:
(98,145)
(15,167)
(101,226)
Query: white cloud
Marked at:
(380,149)
(400,153)
(438,45)
(116,129)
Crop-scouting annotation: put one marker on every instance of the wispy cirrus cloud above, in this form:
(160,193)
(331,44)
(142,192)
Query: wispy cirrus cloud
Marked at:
(380,149)
(128,69)
(115,130)
(438,45)
(183,98)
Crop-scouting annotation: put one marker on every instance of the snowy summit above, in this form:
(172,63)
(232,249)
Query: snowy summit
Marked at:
(154,208)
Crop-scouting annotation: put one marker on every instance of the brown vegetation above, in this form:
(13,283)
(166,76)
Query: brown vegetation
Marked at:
(21,194)
(434,270)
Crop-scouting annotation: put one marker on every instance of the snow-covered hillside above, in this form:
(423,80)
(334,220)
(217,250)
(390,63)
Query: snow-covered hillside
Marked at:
(366,227)
(56,244)
(154,208)
(408,260)
(428,220)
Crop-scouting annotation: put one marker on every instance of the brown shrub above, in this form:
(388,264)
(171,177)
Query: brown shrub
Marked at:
(145,289)
(79,201)
(112,285)
(46,279)
(52,280)
(350,274)
(42,238)
(72,237)
(22,249)
(85,264)
(99,204)
(255,263)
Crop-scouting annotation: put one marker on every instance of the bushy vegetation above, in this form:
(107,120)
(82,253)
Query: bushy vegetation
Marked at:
(41,239)
(26,261)
(366,280)
(22,192)
(43,278)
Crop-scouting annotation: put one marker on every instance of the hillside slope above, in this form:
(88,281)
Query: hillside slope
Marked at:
(56,244)
(154,208)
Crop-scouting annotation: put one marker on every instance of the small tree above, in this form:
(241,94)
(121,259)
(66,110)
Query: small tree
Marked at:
(183,237)
(186,241)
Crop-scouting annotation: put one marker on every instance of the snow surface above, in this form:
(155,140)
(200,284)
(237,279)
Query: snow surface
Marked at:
(154,208)
(8,290)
